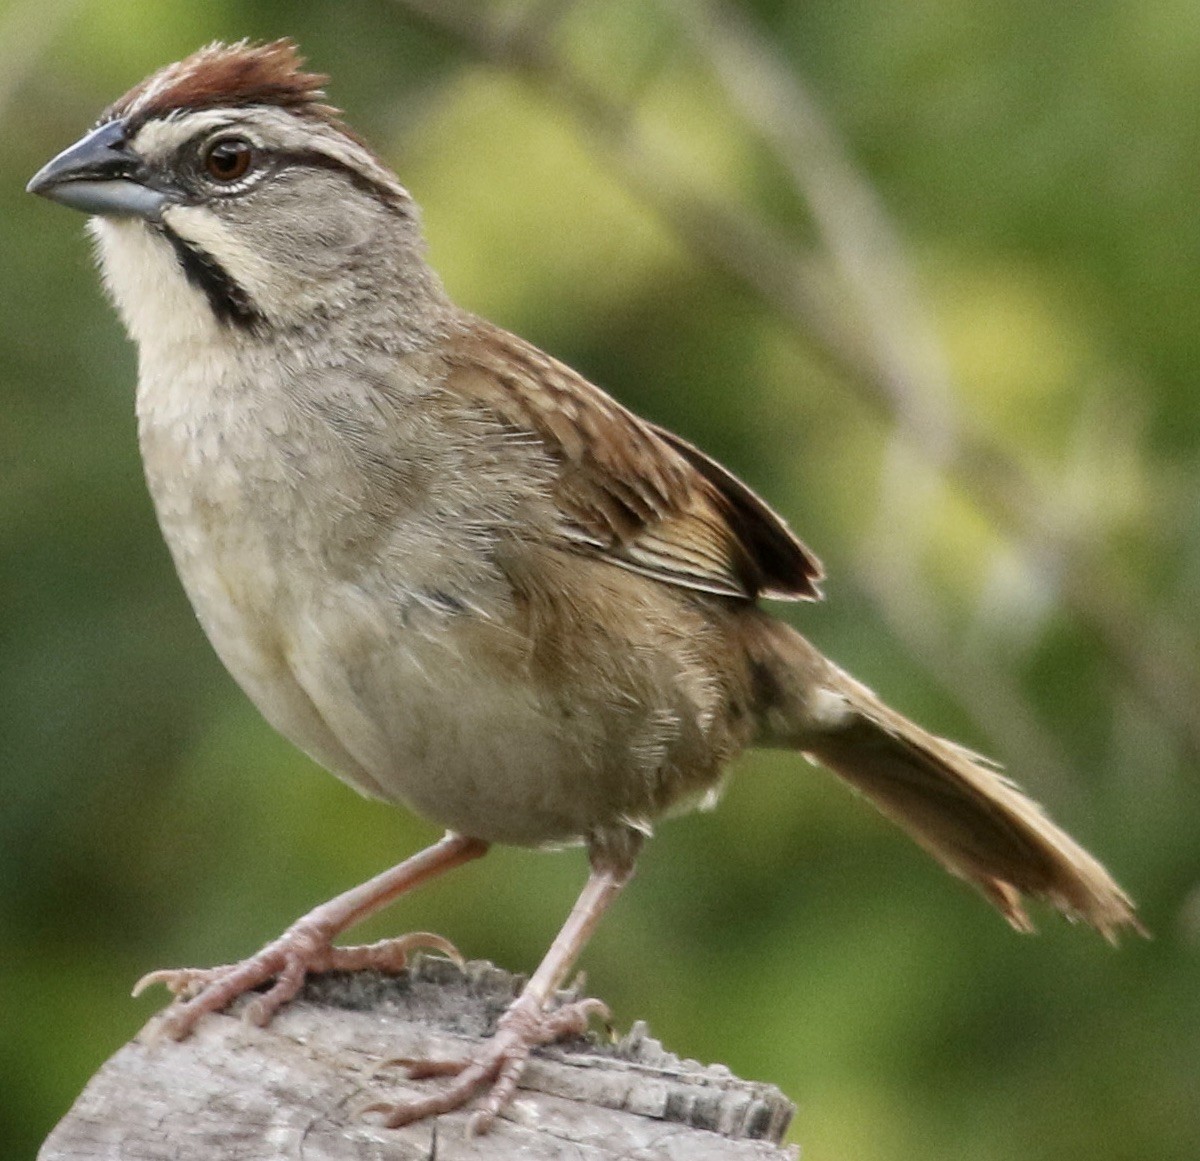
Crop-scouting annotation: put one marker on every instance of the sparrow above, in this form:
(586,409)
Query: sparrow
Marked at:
(451,569)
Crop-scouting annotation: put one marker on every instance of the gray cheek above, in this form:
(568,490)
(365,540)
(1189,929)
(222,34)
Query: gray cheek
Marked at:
(312,227)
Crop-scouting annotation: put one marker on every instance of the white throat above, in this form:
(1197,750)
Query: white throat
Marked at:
(157,304)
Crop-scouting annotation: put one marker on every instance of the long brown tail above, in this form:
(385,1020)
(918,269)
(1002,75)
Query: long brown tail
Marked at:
(958,806)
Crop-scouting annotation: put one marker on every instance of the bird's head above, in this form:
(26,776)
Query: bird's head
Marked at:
(227,173)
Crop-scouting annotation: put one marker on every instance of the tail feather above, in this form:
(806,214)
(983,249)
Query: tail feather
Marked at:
(958,806)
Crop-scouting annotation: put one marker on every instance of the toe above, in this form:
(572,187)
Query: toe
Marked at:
(178,981)
(388,955)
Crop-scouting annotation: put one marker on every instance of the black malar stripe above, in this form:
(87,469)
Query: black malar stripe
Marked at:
(227,300)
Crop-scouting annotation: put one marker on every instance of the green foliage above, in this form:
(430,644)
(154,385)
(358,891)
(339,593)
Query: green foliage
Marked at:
(1040,163)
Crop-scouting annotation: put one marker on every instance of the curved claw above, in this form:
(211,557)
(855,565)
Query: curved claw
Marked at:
(500,1060)
(574,1019)
(285,964)
(178,981)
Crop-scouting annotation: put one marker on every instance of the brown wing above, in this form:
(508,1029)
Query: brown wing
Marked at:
(630,492)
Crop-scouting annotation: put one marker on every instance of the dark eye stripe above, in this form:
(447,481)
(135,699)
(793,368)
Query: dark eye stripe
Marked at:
(318,160)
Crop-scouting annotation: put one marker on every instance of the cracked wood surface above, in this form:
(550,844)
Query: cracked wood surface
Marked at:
(294,1090)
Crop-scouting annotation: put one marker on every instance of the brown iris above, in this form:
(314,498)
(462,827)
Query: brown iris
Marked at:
(228,159)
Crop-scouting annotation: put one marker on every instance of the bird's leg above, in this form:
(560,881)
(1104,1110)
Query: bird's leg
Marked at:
(307,946)
(527,1024)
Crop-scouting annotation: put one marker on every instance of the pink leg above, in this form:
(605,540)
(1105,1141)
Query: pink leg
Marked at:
(307,946)
(526,1025)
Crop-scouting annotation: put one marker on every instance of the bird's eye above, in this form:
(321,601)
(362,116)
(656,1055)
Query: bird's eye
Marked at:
(228,159)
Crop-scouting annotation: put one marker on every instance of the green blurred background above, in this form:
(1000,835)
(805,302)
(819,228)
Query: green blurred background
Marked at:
(925,272)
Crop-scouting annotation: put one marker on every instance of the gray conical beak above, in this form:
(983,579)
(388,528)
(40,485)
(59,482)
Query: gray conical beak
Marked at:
(100,174)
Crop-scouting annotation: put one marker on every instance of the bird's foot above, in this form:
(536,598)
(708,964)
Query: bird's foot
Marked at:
(300,951)
(498,1062)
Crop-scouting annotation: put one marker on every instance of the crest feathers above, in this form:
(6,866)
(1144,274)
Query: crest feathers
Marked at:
(228,74)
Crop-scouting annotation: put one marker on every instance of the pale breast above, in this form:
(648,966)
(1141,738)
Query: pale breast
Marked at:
(341,549)
(372,633)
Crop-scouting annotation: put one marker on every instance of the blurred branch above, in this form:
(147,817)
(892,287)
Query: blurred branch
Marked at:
(850,299)
(858,241)
(865,255)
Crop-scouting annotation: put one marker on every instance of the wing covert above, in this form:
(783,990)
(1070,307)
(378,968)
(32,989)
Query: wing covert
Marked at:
(635,494)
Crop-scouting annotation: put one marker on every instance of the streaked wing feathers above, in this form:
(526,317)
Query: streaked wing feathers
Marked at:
(628,491)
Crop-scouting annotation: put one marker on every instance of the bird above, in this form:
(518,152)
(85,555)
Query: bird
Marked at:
(451,569)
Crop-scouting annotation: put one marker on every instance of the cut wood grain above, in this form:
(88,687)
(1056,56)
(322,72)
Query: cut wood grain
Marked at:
(295,1089)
